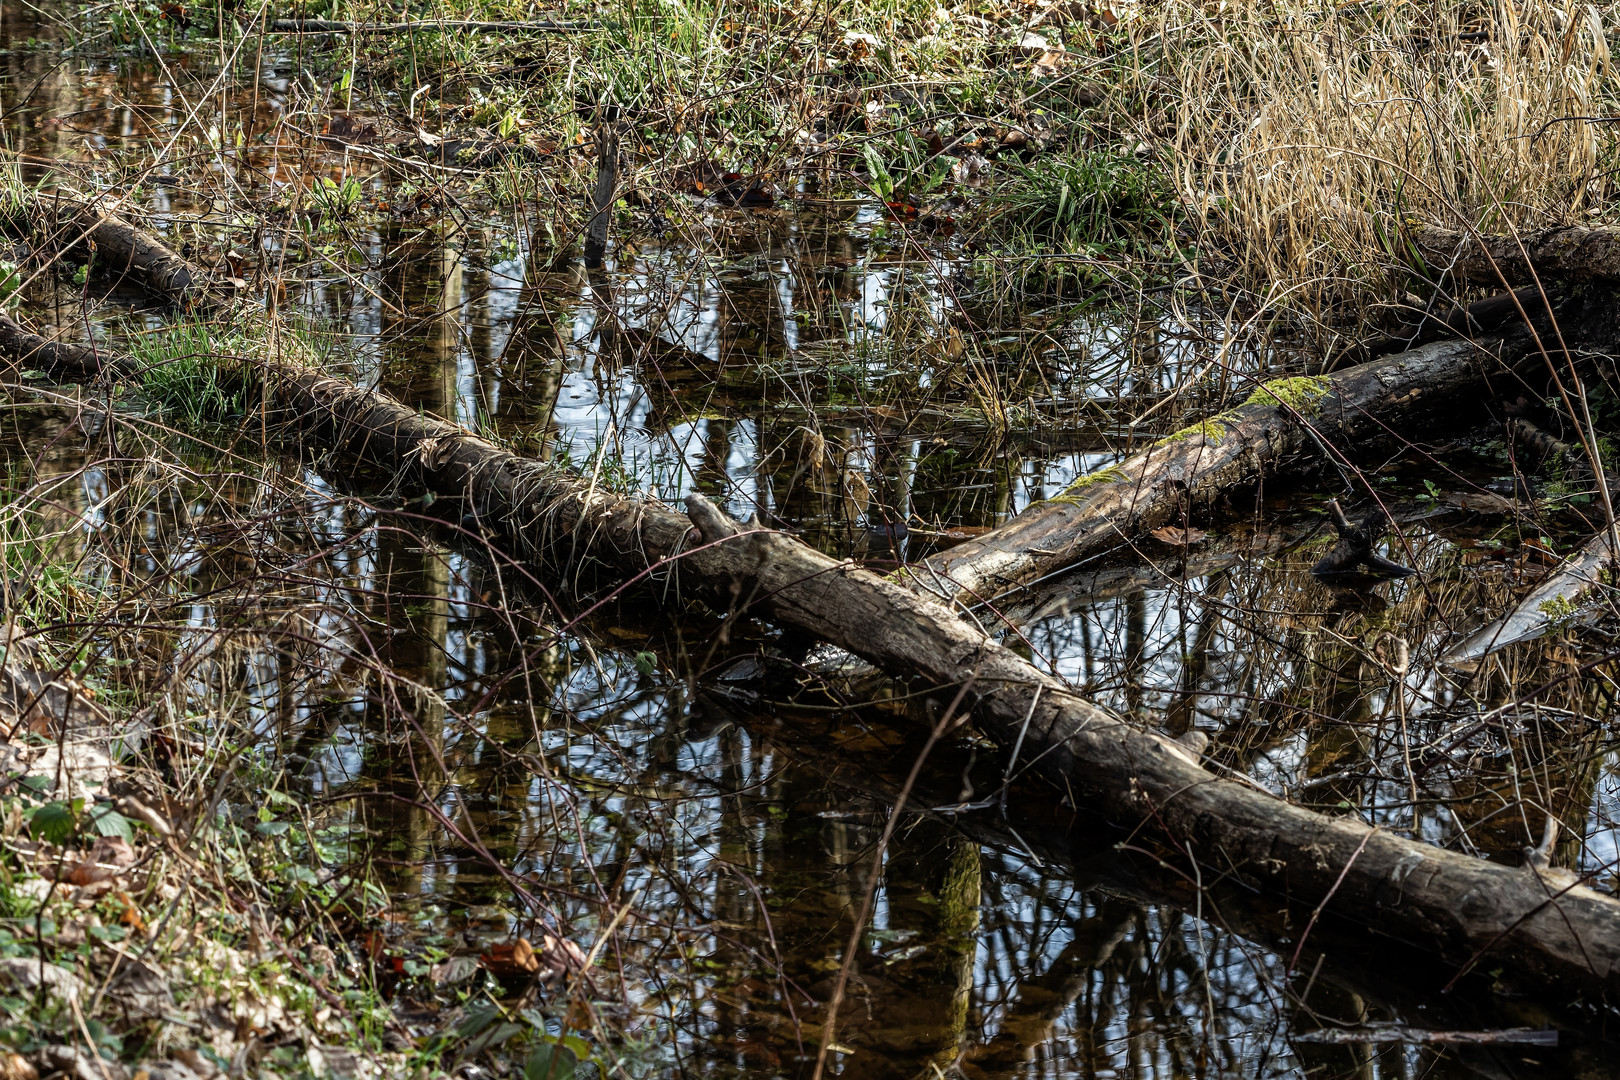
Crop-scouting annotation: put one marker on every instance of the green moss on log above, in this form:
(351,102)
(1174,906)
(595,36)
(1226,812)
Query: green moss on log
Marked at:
(1213,430)
(1078,488)
(1301,394)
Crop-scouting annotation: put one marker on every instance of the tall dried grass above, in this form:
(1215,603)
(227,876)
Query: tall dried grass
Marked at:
(1305,135)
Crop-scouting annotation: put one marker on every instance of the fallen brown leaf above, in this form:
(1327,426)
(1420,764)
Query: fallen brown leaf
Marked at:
(511,959)
(1177,537)
(109,857)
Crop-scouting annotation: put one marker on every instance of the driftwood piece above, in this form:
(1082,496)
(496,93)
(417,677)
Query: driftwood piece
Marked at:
(1573,253)
(1552,603)
(1284,423)
(1468,913)
(1354,552)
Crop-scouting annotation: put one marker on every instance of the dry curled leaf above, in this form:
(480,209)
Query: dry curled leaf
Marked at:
(857,495)
(1178,537)
(108,857)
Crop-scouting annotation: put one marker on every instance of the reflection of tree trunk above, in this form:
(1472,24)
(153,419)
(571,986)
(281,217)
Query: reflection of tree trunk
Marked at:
(1135,670)
(918,1004)
(414,582)
(1338,746)
(1182,716)
(1042,1000)
(713,477)
(896,458)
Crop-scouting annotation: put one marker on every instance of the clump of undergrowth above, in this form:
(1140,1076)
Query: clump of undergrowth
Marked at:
(1092,203)
(190,370)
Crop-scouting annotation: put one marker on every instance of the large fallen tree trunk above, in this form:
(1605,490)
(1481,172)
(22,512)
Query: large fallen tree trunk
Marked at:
(1528,930)
(1284,423)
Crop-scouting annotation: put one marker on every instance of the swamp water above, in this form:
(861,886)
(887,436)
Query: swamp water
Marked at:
(434,712)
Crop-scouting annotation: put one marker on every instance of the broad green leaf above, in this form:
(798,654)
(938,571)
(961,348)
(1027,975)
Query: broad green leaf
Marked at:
(550,1062)
(52,821)
(109,822)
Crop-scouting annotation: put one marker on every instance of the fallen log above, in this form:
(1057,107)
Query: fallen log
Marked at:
(1283,424)
(1530,931)
(1571,253)
(1464,911)
(1553,603)
(1484,317)
(121,248)
(25,350)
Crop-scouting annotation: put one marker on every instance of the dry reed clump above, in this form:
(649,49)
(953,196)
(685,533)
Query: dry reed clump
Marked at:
(1305,135)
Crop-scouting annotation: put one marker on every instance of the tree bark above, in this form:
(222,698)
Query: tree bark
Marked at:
(121,248)
(24,350)
(1573,253)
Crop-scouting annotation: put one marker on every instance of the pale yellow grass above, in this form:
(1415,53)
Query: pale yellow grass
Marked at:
(1306,135)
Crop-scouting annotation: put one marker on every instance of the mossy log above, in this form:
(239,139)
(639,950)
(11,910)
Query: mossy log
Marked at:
(1557,600)
(1463,910)
(1284,424)
(1529,931)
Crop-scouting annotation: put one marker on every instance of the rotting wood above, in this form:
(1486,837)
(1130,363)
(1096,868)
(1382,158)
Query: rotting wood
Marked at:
(1484,317)
(1529,930)
(1285,423)
(1354,552)
(602,197)
(122,248)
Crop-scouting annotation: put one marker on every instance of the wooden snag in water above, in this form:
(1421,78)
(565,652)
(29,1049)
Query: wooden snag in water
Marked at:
(1484,317)
(1354,552)
(1532,932)
(123,249)
(24,350)
(607,179)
